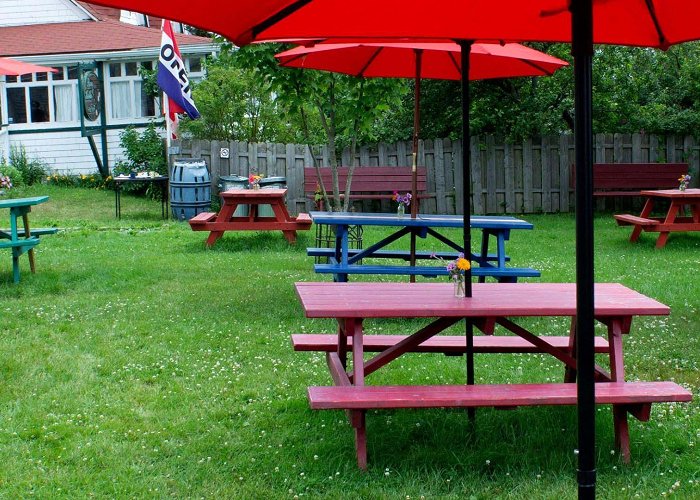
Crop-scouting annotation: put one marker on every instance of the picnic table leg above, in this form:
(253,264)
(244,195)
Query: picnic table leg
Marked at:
(15,264)
(646,211)
(224,215)
(358,422)
(27,234)
(282,216)
(670,217)
(569,372)
(622,432)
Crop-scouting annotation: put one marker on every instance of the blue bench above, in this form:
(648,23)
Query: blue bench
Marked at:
(395,254)
(503,275)
(35,232)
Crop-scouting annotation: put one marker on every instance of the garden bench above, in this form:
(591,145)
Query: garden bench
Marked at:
(369,183)
(630,179)
(446,344)
(34,231)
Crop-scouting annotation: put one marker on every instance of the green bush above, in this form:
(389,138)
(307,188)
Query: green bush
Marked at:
(32,171)
(144,152)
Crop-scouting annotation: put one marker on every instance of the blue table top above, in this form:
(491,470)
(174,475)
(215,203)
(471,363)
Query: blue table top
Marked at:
(22,202)
(389,219)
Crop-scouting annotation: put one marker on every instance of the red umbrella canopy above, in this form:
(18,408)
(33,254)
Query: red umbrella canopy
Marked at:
(650,23)
(439,60)
(12,67)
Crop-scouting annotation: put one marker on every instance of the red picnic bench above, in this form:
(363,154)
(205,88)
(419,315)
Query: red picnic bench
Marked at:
(369,183)
(630,179)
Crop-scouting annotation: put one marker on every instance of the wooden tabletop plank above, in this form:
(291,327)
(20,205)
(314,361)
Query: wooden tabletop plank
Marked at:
(426,220)
(22,202)
(395,300)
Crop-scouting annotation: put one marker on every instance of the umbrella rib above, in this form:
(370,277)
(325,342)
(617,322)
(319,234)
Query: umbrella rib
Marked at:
(663,41)
(544,70)
(370,60)
(275,18)
(455,63)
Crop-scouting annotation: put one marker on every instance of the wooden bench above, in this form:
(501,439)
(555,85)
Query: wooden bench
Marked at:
(29,243)
(630,394)
(446,344)
(34,231)
(393,254)
(508,274)
(369,183)
(633,220)
(626,397)
(629,179)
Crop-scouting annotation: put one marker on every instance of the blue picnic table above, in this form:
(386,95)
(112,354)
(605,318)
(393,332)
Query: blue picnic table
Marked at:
(343,261)
(21,240)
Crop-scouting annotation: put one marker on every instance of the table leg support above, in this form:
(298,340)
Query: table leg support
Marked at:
(622,433)
(27,234)
(358,422)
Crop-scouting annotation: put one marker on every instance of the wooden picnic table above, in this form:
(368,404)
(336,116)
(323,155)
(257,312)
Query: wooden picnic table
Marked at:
(675,219)
(20,240)
(344,260)
(353,305)
(225,220)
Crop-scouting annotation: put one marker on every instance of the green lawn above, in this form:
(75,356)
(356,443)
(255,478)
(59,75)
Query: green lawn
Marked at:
(136,363)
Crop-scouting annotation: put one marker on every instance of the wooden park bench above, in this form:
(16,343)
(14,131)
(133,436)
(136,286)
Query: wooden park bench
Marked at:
(369,183)
(630,179)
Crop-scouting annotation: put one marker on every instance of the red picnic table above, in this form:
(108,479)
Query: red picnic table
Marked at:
(674,220)
(354,304)
(225,220)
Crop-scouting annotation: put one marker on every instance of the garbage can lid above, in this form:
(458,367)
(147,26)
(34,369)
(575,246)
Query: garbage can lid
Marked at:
(273,180)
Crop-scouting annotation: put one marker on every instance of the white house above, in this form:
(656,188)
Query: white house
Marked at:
(42,112)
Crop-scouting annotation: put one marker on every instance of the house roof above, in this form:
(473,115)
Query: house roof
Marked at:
(105,35)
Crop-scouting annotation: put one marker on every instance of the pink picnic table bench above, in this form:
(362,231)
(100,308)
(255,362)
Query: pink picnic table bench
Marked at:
(353,305)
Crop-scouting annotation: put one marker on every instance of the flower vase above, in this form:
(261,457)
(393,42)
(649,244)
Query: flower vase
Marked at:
(682,186)
(256,186)
(459,287)
(401,210)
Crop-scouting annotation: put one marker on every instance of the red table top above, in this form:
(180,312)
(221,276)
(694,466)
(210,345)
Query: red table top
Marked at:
(417,300)
(254,193)
(672,193)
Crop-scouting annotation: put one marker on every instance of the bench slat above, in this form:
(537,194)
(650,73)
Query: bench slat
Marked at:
(392,254)
(629,219)
(448,344)
(428,271)
(27,242)
(490,395)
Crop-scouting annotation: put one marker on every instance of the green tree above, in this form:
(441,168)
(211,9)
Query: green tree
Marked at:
(342,107)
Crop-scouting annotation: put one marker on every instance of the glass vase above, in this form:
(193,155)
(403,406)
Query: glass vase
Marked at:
(401,210)
(459,287)
(682,186)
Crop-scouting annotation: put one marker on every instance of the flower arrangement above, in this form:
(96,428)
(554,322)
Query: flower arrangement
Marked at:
(254,181)
(457,269)
(684,181)
(5,182)
(402,199)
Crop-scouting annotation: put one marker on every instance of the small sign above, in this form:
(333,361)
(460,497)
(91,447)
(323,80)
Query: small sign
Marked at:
(224,153)
(91,95)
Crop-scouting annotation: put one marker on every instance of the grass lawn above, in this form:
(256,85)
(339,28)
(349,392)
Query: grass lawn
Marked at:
(136,363)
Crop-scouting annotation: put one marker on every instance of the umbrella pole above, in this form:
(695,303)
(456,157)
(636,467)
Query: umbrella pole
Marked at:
(466,47)
(414,168)
(582,49)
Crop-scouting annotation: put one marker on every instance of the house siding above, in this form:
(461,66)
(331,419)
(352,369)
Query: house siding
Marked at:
(21,12)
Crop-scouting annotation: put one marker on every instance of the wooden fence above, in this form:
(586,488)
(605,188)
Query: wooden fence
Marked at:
(530,177)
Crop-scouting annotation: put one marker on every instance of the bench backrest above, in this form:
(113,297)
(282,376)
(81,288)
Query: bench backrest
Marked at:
(637,175)
(368,179)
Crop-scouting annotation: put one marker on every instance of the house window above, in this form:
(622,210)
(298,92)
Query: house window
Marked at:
(127,96)
(42,97)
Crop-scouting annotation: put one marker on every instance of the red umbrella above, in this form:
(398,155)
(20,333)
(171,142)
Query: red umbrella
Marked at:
(12,67)
(650,23)
(421,60)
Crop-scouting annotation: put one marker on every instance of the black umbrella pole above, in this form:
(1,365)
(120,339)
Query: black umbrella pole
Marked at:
(582,48)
